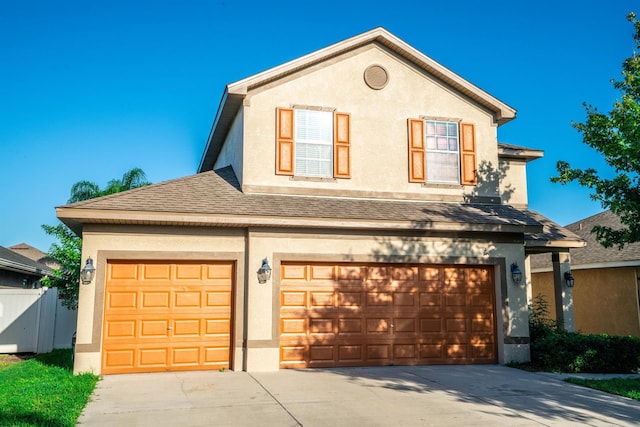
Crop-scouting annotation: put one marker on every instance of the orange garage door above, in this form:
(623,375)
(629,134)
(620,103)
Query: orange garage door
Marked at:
(366,315)
(162,316)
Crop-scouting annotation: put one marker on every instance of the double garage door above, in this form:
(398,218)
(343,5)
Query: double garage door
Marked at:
(161,316)
(365,315)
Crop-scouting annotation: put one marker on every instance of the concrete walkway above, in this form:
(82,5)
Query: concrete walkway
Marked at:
(486,395)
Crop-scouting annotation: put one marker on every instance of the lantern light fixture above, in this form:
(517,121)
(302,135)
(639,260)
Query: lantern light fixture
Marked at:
(516,273)
(88,272)
(568,278)
(264,272)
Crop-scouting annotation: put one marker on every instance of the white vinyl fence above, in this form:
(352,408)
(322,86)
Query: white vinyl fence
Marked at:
(34,321)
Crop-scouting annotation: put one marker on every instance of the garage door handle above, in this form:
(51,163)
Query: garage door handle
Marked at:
(170,328)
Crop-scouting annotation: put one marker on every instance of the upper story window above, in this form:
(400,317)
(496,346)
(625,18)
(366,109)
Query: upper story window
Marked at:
(443,155)
(442,152)
(312,143)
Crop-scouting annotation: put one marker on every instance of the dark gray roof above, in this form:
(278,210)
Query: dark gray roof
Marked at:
(216,194)
(594,252)
(9,260)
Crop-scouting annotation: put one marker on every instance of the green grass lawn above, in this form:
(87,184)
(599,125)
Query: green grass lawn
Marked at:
(627,387)
(42,391)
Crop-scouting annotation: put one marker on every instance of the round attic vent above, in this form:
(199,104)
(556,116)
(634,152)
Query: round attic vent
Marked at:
(376,77)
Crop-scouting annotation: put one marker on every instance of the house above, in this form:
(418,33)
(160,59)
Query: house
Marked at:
(32,318)
(605,292)
(35,254)
(352,207)
(19,271)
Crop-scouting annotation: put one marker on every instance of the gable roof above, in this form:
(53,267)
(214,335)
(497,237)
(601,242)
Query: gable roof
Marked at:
(35,254)
(594,255)
(10,260)
(214,198)
(234,93)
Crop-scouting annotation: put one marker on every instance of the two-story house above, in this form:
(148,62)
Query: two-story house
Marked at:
(353,207)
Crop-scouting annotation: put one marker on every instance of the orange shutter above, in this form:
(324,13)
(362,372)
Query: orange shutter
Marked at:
(468,154)
(341,146)
(284,141)
(417,168)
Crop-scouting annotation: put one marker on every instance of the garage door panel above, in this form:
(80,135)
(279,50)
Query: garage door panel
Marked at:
(321,299)
(156,272)
(167,316)
(350,326)
(293,299)
(153,357)
(153,328)
(122,300)
(319,326)
(404,299)
(376,299)
(154,299)
(121,329)
(218,299)
(383,315)
(378,325)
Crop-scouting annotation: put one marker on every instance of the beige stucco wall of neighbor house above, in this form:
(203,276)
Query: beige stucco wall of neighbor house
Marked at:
(379,154)
(277,246)
(231,153)
(513,182)
(605,299)
(148,243)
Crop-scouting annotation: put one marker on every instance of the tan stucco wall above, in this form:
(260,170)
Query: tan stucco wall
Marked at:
(231,153)
(513,182)
(605,300)
(379,156)
(260,324)
(147,243)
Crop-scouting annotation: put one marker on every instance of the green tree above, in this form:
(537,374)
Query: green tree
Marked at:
(68,250)
(85,190)
(617,136)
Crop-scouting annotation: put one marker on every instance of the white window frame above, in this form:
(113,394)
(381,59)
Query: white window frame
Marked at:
(313,138)
(438,144)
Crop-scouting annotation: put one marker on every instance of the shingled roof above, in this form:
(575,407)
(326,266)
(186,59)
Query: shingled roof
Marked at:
(214,198)
(9,260)
(594,254)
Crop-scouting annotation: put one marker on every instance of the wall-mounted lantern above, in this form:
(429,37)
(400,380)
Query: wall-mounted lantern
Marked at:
(88,272)
(568,278)
(516,273)
(264,272)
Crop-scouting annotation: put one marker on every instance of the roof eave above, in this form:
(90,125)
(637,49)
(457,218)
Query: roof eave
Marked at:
(76,218)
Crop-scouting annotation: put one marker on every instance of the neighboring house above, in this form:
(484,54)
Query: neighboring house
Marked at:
(19,271)
(370,179)
(605,292)
(32,318)
(35,254)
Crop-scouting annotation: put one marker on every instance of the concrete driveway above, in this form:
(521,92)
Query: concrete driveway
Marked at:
(486,395)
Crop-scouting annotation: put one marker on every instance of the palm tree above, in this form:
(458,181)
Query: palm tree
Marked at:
(85,190)
(69,248)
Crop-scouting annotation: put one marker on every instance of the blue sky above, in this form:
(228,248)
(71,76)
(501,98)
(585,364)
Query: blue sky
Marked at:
(91,89)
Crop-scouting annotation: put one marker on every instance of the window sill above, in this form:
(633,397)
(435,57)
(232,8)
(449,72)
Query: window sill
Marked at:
(312,179)
(444,186)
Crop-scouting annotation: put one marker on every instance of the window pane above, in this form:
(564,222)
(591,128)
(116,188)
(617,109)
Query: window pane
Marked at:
(442,167)
(314,143)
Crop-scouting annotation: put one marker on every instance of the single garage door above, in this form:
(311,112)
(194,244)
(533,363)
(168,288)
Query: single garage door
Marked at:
(163,316)
(366,315)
